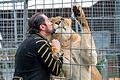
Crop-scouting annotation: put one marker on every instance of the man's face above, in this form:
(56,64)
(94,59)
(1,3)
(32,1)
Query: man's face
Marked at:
(48,25)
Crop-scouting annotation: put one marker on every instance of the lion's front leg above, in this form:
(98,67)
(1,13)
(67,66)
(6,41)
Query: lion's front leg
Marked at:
(88,50)
(80,16)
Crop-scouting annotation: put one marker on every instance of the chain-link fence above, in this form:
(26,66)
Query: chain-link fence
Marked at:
(12,22)
(103,18)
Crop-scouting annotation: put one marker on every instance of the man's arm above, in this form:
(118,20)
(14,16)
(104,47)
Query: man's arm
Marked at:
(45,55)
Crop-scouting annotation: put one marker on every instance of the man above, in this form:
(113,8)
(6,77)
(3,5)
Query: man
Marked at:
(34,59)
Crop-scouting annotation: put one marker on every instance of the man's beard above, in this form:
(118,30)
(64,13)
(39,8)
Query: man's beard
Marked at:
(50,31)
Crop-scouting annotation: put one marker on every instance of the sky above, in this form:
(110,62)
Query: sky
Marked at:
(42,4)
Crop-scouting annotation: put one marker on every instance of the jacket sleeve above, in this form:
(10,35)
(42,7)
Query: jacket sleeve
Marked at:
(45,55)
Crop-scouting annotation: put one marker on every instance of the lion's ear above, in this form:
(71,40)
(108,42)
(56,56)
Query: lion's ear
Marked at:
(69,21)
(52,19)
(58,17)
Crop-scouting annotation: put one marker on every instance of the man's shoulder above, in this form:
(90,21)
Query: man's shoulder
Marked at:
(36,37)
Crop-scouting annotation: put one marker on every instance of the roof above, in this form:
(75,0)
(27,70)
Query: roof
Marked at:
(44,4)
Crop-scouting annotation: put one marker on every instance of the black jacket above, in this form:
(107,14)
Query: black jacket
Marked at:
(34,61)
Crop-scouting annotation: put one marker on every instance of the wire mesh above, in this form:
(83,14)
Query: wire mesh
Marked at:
(11,29)
(103,17)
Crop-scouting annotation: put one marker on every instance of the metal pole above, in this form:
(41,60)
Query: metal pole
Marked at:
(25,21)
(117,30)
(15,23)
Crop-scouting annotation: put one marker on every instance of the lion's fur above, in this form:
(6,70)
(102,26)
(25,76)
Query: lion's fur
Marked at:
(79,51)
(80,16)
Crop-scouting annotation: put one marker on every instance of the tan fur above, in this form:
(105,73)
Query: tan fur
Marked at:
(77,55)
(82,19)
(67,40)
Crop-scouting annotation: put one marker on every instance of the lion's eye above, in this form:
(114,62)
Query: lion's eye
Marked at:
(62,19)
(57,22)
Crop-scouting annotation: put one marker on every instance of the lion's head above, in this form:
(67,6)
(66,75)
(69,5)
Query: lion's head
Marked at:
(71,39)
(62,28)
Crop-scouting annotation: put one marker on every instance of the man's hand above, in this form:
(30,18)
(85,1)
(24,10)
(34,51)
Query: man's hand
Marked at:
(55,46)
(56,49)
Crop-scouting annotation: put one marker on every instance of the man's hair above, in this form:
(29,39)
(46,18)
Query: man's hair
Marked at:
(34,22)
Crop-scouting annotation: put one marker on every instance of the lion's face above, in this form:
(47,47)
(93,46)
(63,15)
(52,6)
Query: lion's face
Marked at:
(62,27)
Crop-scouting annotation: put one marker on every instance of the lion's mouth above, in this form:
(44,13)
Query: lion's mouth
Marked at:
(59,29)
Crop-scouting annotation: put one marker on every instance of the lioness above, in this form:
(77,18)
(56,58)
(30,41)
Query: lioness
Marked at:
(79,51)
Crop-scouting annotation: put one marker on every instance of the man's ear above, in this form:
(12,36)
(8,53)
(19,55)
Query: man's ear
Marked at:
(42,27)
